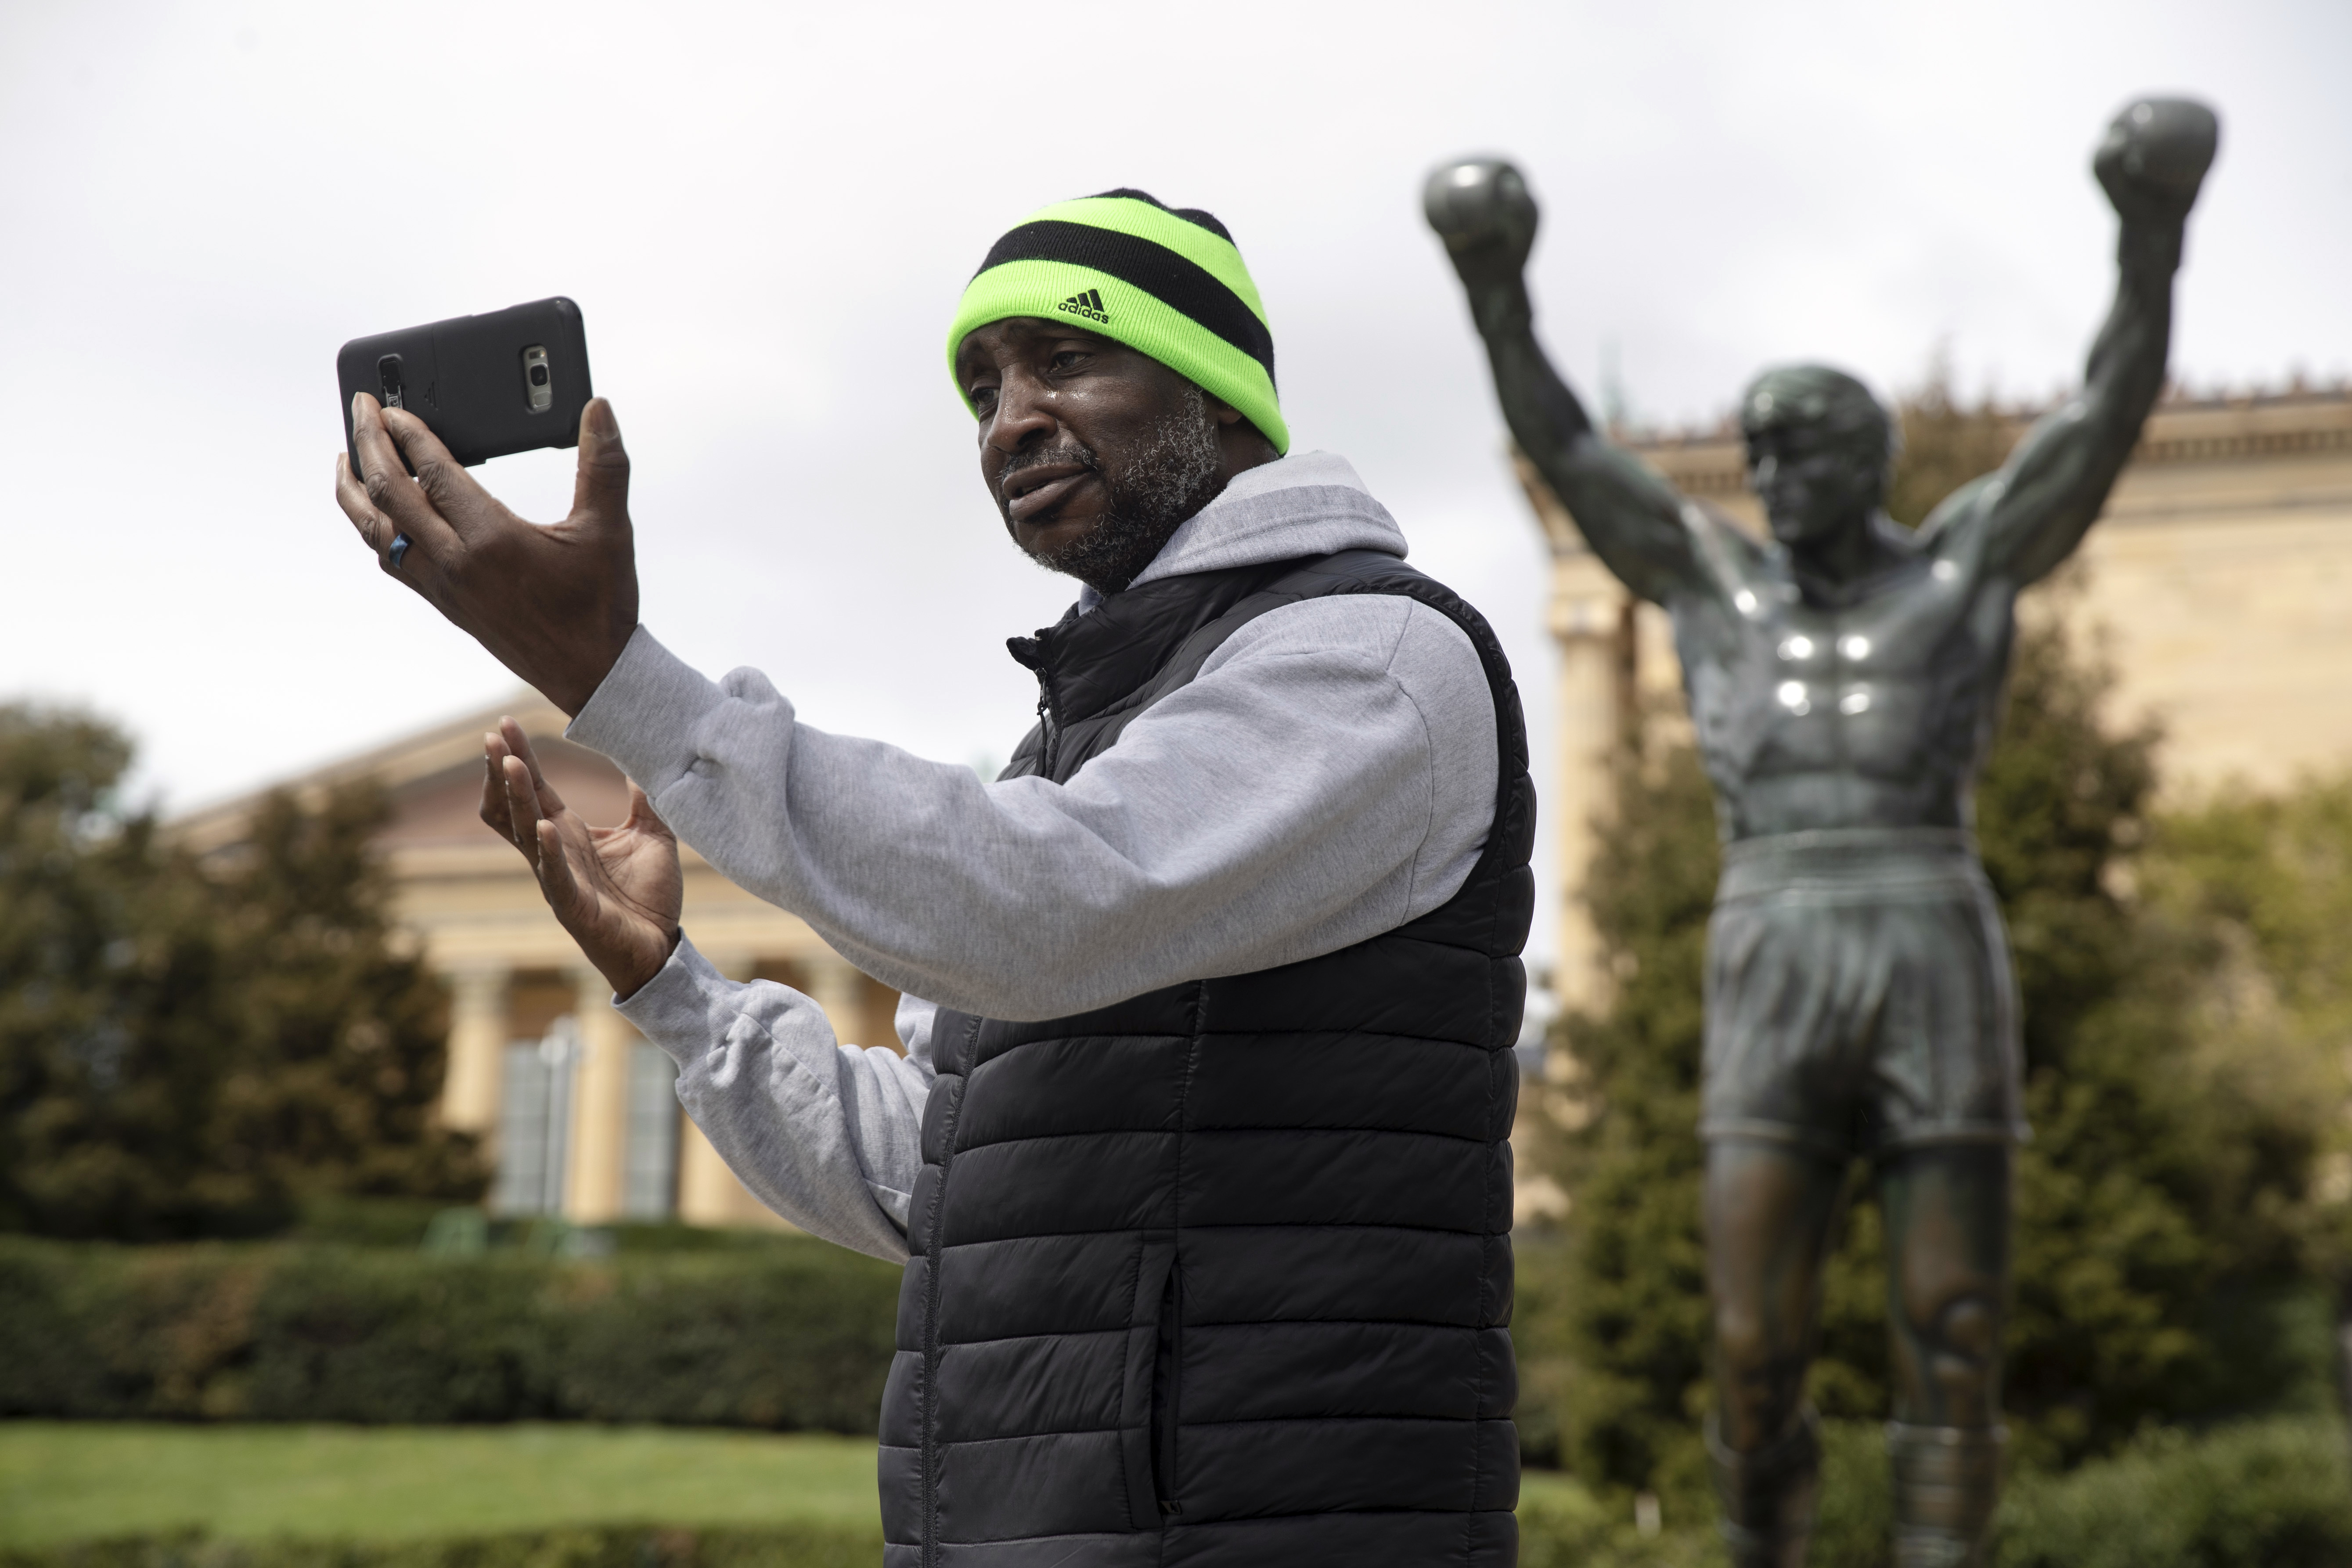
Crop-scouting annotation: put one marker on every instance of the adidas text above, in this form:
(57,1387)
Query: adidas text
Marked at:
(1088,304)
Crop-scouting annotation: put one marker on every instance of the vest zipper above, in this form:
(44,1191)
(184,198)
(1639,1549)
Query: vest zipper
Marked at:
(1048,718)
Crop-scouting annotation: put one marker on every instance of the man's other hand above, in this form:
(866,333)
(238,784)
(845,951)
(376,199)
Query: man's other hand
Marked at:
(557,604)
(618,890)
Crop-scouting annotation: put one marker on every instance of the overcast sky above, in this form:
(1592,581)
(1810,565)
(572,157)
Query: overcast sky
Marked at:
(767,213)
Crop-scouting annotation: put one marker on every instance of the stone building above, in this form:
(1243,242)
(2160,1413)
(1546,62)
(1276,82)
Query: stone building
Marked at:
(2218,579)
(579,1112)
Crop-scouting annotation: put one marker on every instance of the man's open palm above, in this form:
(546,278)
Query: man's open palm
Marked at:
(555,604)
(618,890)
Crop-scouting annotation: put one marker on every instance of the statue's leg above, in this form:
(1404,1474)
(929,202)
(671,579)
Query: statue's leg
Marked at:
(1948,1214)
(1769,1209)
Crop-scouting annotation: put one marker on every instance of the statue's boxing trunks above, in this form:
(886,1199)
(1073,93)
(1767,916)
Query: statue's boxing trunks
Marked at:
(1859,996)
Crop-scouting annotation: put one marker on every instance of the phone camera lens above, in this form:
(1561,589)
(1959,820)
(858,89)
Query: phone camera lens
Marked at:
(536,391)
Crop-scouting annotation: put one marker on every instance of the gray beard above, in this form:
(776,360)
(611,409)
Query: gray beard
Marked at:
(1173,475)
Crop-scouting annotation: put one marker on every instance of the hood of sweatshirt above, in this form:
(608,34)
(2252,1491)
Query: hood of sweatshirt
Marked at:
(1309,503)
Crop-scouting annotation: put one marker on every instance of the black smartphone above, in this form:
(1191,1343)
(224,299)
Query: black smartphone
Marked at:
(509,381)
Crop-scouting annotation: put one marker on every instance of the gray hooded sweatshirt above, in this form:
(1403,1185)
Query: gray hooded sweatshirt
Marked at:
(1328,776)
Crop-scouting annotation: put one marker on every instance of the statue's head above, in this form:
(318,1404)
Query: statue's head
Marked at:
(1820,447)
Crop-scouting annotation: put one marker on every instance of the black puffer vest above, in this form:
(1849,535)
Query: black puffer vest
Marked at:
(1220,1274)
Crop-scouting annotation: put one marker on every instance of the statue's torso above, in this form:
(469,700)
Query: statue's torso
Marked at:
(1871,708)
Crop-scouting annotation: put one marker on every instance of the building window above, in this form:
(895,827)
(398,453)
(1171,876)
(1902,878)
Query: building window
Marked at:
(650,1177)
(535,1122)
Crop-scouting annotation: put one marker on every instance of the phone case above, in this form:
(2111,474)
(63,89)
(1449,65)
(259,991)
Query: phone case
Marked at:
(470,379)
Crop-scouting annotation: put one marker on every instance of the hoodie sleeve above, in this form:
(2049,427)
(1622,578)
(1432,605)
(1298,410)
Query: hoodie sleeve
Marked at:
(1330,775)
(827,1135)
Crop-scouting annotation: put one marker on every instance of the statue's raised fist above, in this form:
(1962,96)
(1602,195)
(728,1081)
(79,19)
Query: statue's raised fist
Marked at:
(1481,208)
(2155,157)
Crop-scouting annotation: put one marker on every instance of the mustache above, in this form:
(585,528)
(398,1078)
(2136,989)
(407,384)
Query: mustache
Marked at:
(1072,452)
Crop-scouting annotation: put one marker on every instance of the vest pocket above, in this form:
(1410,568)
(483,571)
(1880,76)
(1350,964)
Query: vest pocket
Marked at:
(1167,1355)
(1148,1400)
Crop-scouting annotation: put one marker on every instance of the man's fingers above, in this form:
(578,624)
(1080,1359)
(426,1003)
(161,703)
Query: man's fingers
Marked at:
(519,744)
(522,812)
(456,495)
(494,788)
(390,490)
(601,486)
(549,803)
(375,527)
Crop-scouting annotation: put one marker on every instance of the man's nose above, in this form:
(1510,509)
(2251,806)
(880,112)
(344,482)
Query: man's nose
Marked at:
(1025,413)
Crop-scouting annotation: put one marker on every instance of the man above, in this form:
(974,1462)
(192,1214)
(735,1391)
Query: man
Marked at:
(1197,1151)
(1844,679)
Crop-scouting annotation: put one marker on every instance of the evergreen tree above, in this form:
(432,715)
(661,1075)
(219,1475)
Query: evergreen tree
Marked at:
(185,1050)
(111,1047)
(1945,444)
(1631,1383)
(339,1039)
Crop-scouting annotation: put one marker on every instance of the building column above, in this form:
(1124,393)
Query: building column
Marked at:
(477,1052)
(600,1103)
(838,986)
(1591,623)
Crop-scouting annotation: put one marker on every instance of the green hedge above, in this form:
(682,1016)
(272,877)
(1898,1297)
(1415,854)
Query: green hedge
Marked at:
(769,1546)
(2263,1494)
(791,1334)
(2274,1493)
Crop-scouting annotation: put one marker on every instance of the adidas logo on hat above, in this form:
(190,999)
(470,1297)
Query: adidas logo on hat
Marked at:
(1088,304)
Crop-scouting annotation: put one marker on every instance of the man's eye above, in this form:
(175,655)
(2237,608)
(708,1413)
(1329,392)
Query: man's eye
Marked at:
(982,398)
(1068,359)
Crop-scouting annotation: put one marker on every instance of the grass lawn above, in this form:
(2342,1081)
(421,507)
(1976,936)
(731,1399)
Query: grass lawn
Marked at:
(71,1480)
(68,1480)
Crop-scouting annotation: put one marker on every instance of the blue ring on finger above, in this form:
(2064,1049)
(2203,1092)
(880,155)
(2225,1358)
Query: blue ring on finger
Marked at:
(400,543)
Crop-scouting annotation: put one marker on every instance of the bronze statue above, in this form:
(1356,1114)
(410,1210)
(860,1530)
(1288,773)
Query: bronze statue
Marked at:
(1845,680)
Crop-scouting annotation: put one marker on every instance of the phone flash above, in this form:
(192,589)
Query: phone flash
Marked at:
(538,386)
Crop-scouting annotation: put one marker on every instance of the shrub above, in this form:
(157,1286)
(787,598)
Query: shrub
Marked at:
(769,1546)
(785,1334)
(2266,1494)
(2274,1493)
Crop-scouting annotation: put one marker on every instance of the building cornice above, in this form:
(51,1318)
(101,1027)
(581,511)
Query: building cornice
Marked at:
(412,757)
(1712,466)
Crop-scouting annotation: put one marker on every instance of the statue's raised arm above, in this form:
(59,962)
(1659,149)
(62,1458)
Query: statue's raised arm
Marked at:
(2032,513)
(1631,517)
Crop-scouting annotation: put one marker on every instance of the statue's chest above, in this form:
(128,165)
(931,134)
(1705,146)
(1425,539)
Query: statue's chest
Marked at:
(1782,684)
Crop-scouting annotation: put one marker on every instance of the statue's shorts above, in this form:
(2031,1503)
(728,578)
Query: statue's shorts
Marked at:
(1859,996)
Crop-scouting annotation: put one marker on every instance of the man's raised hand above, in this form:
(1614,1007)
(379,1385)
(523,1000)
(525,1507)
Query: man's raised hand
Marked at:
(556,605)
(618,890)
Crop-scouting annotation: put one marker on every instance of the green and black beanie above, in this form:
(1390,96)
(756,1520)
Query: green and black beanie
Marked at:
(1168,282)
